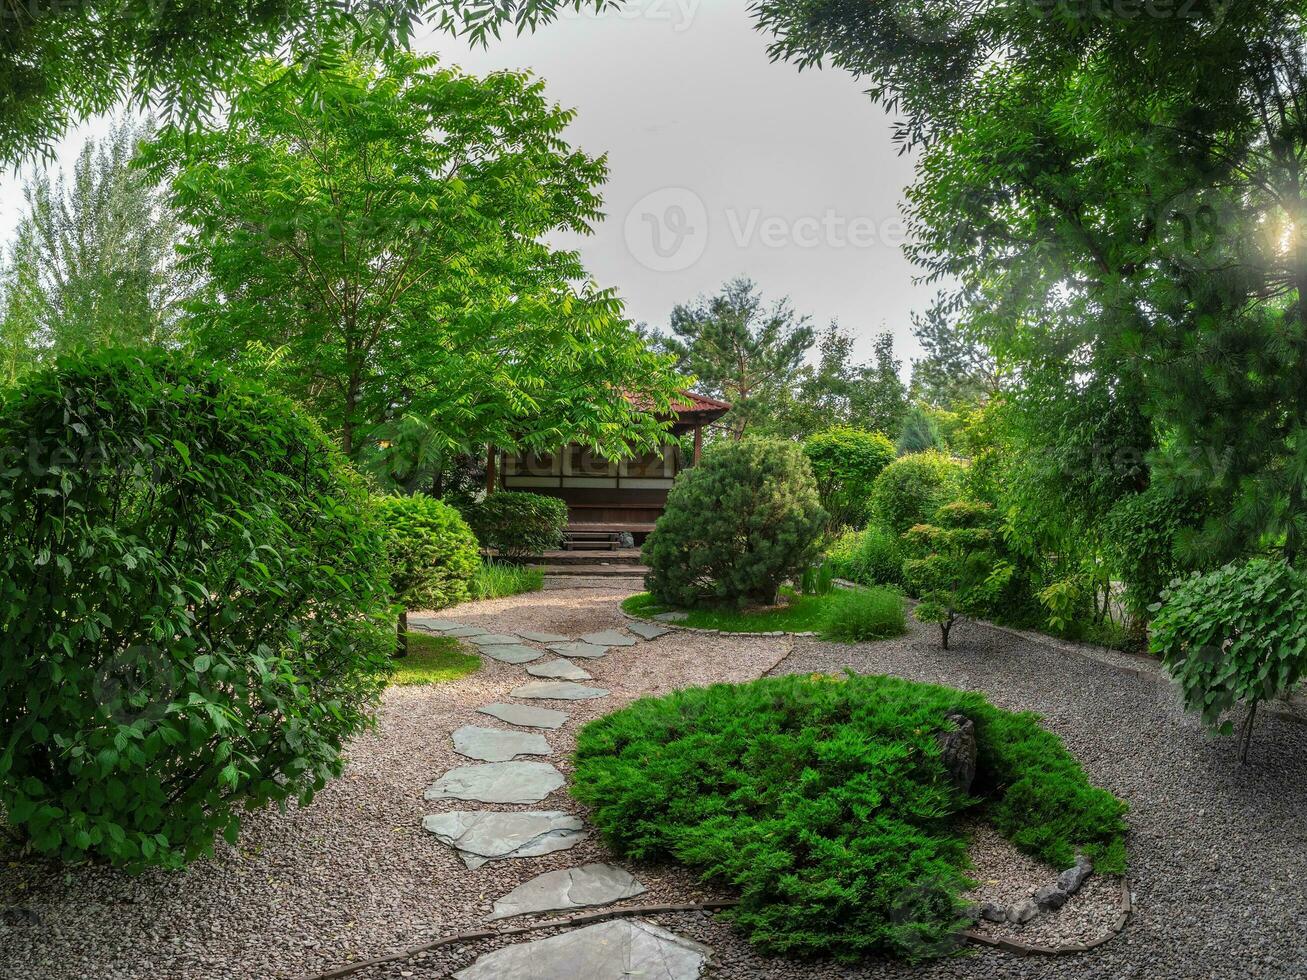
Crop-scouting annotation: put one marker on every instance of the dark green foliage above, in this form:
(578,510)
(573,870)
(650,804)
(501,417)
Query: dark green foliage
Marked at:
(870,557)
(912,488)
(1141,534)
(864,614)
(195,605)
(823,802)
(518,525)
(920,433)
(845,462)
(736,527)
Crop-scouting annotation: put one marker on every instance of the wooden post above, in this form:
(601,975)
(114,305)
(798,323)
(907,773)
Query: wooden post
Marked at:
(698,444)
(490,469)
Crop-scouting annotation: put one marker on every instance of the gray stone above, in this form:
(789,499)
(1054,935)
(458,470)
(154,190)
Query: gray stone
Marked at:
(525,715)
(585,651)
(497,745)
(623,948)
(625,539)
(435,625)
(510,653)
(494,639)
(609,638)
(957,748)
(497,782)
(1050,897)
(536,637)
(557,691)
(466,631)
(1022,912)
(647,630)
(560,670)
(991,912)
(570,888)
(490,835)
(675,616)
(1073,877)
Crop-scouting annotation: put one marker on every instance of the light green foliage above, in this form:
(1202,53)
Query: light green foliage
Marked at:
(845,462)
(823,803)
(920,433)
(195,605)
(912,488)
(383,226)
(864,614)
(737,526)
(1234,636)
(960,571)
(433,660)
(870,557)
(494,580)
(432,553)
(518,525)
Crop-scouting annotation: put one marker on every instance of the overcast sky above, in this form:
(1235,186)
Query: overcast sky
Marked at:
(721,164)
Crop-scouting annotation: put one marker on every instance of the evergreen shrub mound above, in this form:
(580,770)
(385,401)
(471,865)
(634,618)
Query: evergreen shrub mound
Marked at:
(825,804)
(736,527)
(195,605)
(517,524)
(912,488)
(845,461)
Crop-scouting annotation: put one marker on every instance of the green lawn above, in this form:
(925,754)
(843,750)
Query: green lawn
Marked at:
(493,580)
(433,660)
(800,613)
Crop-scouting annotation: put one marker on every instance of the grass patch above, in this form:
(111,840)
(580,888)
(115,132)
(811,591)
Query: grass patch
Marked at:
(433,660)
(840,614)
(494,580)
(824,804)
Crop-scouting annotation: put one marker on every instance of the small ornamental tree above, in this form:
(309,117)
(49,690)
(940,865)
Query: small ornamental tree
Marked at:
(912,488)
(737,527)
(845,462)
(432,554)
(1237,635)
(961,572)
(195,607)
(518,525)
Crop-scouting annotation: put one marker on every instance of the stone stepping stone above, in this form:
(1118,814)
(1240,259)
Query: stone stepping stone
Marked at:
(585,651)
(497,782)
(622,948)
(557,691)
(647,631)
(485,639)
(509,653)
(493,835)
(467,632)
(609,638)
(675,616)
(525,715)
(570,888)
(497,745)
(560,670)
(536,637)
(435,625)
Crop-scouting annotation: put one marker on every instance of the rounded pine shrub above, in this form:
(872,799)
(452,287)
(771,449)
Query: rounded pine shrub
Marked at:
(825,804)
(845,461)
(195,604)
(912,488)
(518,525)
(736,527)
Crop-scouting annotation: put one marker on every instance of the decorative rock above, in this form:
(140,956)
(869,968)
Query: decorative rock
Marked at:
(497,782)
(609,638)
(489,835)
(585,651)
(647,631)
(509,653)
(1022,912)
(525,715)
(1073,877)
(435,625)
(957,748)
(496,745)
(993,913)
(625,539)
(675,616)
(561,670)
(1050,897)
(558,691)
(494,639)
(536,637)
(605,951)
(570,888)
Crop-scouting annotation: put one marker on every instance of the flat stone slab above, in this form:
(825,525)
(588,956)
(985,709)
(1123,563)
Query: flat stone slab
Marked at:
(497,745)
(435,625)
(536,637)
(585,651)
(467,632)
(494,639)
(492,835)
(569,888)
(525,715)
(675,616)
(558,691)
(559,669)
(508,653)
(609,638)
(622,948)
(647,631)
(497,782)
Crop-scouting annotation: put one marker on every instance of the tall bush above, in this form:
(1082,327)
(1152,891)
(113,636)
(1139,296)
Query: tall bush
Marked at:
(194,602)
(845,461)
(517,524)
(912,488)
(736,527)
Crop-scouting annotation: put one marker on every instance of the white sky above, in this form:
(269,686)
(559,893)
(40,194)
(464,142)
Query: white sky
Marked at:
(721,164)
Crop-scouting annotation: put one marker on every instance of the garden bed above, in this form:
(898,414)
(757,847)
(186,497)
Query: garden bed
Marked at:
(828,615)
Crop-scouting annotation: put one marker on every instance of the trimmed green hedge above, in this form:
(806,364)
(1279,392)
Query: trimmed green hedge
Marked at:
(912,488)
(517,524)
(431,550)
(824,803)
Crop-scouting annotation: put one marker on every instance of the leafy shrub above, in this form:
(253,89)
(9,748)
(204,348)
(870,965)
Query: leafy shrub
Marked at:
(1236,635)
(870,557)
(494,580)
(825,804)
(912,488)
(432,555)
(737,526)
(195,605)
(1140,535)
(920,433)
(845,461)
(518,525)
(865,614)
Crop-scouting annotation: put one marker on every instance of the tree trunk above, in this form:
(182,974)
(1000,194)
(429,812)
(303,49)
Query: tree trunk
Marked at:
(944,629)
(1246,736)
(401,635)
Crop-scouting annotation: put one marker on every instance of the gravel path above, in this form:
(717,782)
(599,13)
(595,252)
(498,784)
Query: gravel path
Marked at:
(1219,853)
